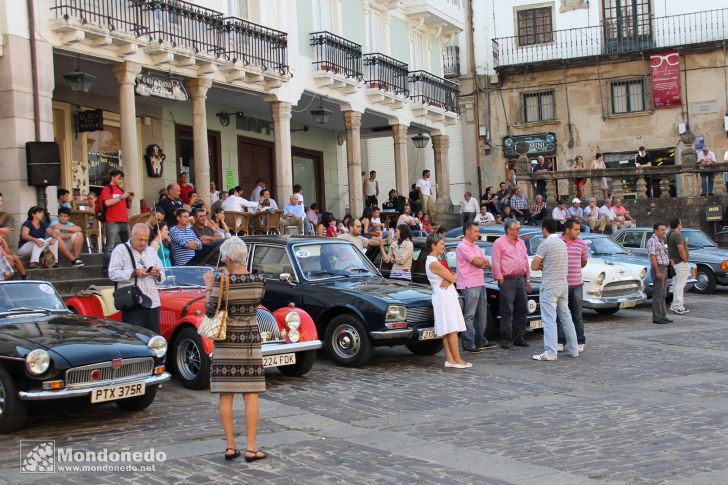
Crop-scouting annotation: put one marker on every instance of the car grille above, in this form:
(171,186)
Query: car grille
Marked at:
(268,326)
(419,314)
(80,377)
(621,288)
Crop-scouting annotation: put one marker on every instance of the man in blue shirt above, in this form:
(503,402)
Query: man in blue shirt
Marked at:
(183,240)
(64,197)
(70,236)
(293,215)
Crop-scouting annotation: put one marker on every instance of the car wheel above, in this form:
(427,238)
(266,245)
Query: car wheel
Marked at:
(492,327)
(13,411)
(426,348)
(706,281)
(141,402)
(191,363)
(304,362)
(606,311)
(347,341)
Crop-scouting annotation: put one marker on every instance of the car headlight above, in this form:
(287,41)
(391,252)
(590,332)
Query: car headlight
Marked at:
(395,313)
(37,362)
(294,335)
(643,274)
(158,346)
(600,279)
(293,320)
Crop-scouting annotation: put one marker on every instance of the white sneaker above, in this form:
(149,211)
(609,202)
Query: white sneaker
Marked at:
(581,348)
(544,356)
(679,311)
(560,347)
(685,310)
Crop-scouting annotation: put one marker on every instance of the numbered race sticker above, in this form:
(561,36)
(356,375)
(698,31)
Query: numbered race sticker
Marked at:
(48,289)
(302,253)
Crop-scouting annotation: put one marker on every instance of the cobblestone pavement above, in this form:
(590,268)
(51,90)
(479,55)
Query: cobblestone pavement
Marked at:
(644,404)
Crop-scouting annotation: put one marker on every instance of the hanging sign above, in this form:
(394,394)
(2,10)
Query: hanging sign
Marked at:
(90,120)
(148,85)
(538,144)
(666,80)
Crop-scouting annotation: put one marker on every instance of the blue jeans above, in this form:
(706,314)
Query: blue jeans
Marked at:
(476,302)
(116,233)
(576,304)
(706,182)
(556,301)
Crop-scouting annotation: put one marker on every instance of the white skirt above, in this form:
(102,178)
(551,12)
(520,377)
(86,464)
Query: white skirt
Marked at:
(446,309)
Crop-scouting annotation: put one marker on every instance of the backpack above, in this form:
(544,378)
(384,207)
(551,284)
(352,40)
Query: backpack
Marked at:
(47,260)
(101,214)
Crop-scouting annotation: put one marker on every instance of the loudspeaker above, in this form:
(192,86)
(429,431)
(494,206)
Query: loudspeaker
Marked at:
(44,163)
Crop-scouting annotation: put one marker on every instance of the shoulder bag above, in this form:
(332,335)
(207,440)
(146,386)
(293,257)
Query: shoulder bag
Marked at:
(215,327)
(130,296)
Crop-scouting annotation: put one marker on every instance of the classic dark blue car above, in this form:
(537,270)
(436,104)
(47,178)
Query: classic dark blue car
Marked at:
(353,306)
(47,352)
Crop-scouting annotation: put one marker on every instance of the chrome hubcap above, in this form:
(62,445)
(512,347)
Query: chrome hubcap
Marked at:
(702,281)
(2,399)
(346,341)
(189,359)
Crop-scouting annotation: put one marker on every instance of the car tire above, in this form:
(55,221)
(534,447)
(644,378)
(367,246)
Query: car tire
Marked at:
(706,281)
(304,362)
(189,360)
(606,311)
(347,341)
(139,403)
(426,348)
(14,411)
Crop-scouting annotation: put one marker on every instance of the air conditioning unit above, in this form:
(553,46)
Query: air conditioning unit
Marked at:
(493,78)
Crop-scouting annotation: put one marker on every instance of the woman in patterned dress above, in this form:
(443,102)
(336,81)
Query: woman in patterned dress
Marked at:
(237,364)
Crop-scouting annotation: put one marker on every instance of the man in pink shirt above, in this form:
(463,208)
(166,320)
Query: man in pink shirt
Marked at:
(512,272)
(578,257)
(470,264)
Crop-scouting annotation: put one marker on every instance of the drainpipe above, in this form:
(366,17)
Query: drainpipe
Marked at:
(34,68)
(476,93)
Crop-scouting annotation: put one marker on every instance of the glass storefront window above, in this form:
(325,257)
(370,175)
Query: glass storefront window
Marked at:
(103,151)
(305,174)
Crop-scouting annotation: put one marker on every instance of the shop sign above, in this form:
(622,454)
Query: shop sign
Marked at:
(90,120)
(256,125)
(666,79)
(538,144)
(148,85)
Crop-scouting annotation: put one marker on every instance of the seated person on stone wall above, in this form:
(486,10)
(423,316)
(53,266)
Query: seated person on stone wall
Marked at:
(14,260)
(70,236)
(293,215)
(537,211)
(624,219)
(594,219)
(577,213)
(484,218)
(560,214)
(395,202)
(505,215)
(518,204)
(607,211)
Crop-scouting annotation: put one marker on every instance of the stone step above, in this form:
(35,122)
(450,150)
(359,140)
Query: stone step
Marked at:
(72,287)
(64,273)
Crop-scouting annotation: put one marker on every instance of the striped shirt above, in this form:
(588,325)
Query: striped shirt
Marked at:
(578,255)
(179,238)
(657,247)
(555,262)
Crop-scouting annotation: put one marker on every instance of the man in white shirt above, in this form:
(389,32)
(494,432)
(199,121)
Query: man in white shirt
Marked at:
(214,193)
(354,236)
(272,204)
(424,186)
(235,203)
(485,217)
(468,209)
(293,215)
(593,219)
(559,214)
(259,186)
(607,211)
(706,158)
(371,190)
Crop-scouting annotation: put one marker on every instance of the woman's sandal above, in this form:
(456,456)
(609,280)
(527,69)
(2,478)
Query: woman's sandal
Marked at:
(233,455)
(257,455)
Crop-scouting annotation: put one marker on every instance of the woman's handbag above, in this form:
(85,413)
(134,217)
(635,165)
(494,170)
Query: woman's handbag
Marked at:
(215,327)
(6,269)
(670,271)
(129,297)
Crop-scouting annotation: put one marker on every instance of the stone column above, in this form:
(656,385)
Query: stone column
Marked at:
(352,121)
(689,181)
(281,111)
(441,144)
(198,92)
(126,73)
(401,170)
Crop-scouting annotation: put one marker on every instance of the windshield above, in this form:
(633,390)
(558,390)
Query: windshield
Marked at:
(30,296)
(318,261)
(697,239)
(184,276)
(603,246)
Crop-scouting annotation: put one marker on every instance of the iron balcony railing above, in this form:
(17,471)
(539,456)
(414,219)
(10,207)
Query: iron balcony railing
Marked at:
(255,44)
(184,25)
(337,54)
(615,37)
(434,91)
(385,73)
(451,61)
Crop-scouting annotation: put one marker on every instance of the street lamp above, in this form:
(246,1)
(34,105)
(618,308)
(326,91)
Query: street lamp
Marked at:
(321,115)
(78,80)
(420,140)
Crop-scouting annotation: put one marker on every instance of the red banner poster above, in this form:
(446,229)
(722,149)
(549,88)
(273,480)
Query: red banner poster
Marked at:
(666,79)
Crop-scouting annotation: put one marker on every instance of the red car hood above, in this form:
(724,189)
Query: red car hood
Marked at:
(177,299)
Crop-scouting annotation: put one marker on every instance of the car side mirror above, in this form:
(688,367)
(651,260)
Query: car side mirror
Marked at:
(286,278)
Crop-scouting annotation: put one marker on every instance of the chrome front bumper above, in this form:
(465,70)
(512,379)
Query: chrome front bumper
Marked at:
(636,299)
(276,349)
(393,334)
(42,395)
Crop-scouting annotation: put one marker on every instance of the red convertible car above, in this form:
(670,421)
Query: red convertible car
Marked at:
(289,335)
